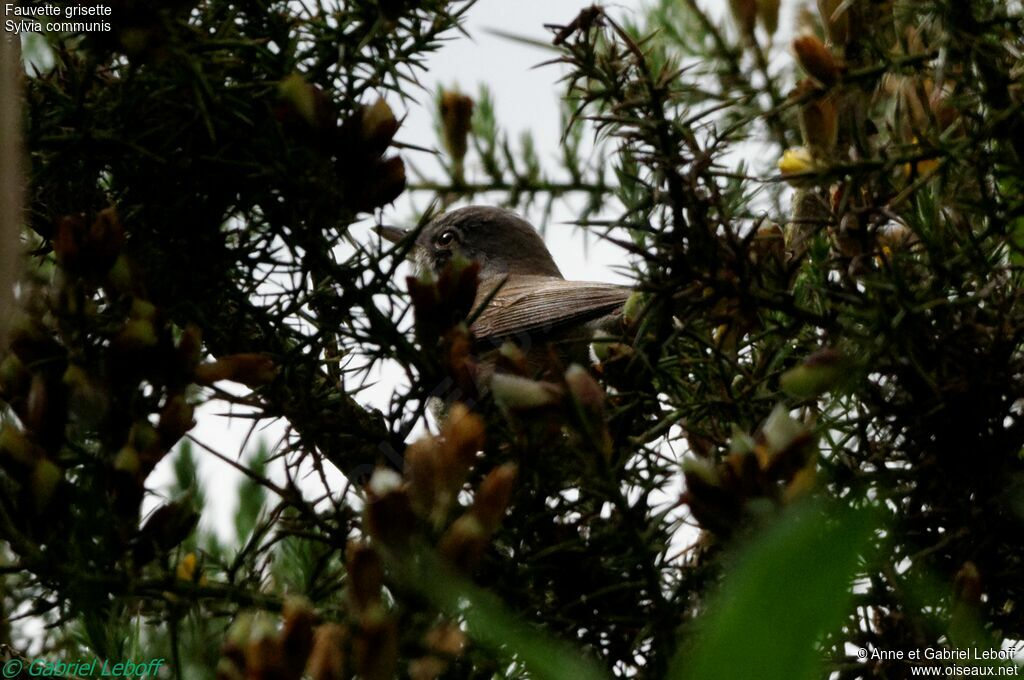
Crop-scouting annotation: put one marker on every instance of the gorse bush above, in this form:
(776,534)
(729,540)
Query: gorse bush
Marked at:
(799,456)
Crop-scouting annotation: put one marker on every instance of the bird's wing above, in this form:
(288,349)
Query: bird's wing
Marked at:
(528,304)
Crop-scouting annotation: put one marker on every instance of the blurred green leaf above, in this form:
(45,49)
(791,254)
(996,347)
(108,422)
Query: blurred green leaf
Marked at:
(782,593)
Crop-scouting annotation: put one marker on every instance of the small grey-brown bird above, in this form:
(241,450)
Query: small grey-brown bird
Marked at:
(524,296)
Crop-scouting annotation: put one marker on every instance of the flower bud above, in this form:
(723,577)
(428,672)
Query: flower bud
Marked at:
(327,659)
(632,309)
(445,639)
(494,495)
(170,524)
(105,240)
(522,394)
(462,435)
(769,244)
(68,241)
(305,102)
(465,541)
(388,515)
(14,379)
(365,576)
(796,161)
(250,369)
(46,478)
(744,13)
(375,648)
(456,121)
(817,374)
(819,124)
(780,430)
(297,631)
(512,359)
(768,15)
(119,277)
(175,420)
(16,449)
(967,586)
(378,126)
(422,460)
(816,60)
(127,460)
(383,183)
(137,334)
(186,569)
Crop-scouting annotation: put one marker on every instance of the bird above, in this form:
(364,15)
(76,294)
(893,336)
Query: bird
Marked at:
(522,295)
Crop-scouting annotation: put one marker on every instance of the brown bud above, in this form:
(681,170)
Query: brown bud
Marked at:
(170,524)
(365,576)
(426,668)
(375,648)
(445,639)
(175,420)
(769,244)
(744,13)
(585,391)
(494,495)
(462,435)
(422,459)
(264,656)
(967,586)
(305,102)
(388,515)
(816,60)
(38,404)
(464,542)
(250,369)
(384,182)
(190,346)
(68,241)
(456,120)
(768,15)
(297,631)
(106,238)
(588,400)
(512,359)
(327,660)
(819,124)
(378,126)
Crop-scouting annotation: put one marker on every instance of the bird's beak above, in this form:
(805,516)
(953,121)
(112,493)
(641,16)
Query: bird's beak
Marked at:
(389,233)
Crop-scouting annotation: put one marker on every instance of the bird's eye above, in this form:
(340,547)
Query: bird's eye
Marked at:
(445,239)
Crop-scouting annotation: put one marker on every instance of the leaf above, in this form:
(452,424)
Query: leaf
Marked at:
(785,590)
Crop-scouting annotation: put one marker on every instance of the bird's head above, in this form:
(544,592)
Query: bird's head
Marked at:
(501,241)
